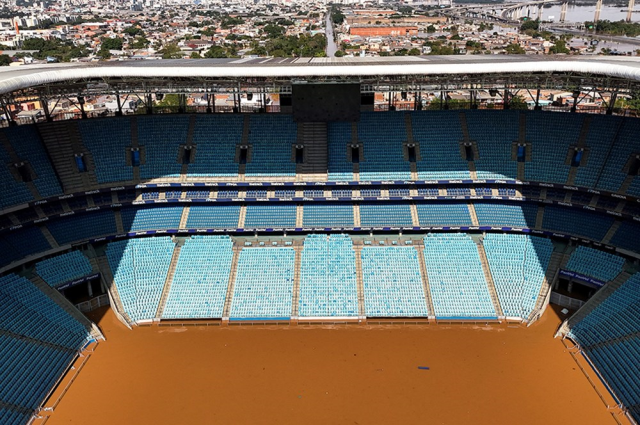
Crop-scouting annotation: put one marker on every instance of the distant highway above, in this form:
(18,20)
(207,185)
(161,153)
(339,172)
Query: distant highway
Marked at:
(332,47)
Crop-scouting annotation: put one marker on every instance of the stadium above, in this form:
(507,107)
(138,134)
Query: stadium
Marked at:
(325,259)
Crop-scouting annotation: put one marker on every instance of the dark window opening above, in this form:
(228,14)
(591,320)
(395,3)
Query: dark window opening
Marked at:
(634,166)
(468,152)
(23,171)
(243,155)
(135,157)
(411,151)
(299,154)
(186,155)
(522,153)
(355,154)
(82,166)
(577,157)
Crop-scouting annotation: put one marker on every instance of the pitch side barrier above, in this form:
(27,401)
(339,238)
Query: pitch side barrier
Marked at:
(581,278)
(328,185)
(175,201)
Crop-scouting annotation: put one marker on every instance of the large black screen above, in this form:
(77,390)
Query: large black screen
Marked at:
(326,102)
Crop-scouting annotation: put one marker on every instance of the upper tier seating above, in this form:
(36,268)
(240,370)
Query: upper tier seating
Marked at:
(550,135)
(514,215)
(338,137)
(271,139)
(328,215)
(22,243)
(595,263)
(109,145)
(457,282)
(63,268)
(135,219)
(213,216)
(518,264)
(161,137)
(83,226)
(576,222)
(627,236)
(439,134)
(601,135)
(277,215)
(494,132)
(392,282)
(328,277)
(200,282)
(444,214)
(626,143)
(139,268)
(216,138)
(382,142)
(387,214)
(12,191)
(264,284)
(25,310)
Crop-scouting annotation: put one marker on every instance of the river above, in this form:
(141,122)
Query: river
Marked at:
(332,47)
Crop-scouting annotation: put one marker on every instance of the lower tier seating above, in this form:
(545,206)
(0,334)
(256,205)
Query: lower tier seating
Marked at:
(595,263)
(63,268)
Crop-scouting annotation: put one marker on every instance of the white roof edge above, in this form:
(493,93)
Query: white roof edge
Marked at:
(37,76)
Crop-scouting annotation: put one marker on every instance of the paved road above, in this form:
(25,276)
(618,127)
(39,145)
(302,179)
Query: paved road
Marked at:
(332,47)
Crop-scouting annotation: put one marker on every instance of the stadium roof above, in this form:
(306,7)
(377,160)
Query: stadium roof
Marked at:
(16,78)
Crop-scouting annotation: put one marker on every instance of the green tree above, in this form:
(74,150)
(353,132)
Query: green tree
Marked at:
(171,51)
(216,52)
(559,47)
(514,49)
(517,102)
(414,52)
(5,60)
(431,29)
(340,54)
(274,31)
(134,31)
(195,55)
(530,24)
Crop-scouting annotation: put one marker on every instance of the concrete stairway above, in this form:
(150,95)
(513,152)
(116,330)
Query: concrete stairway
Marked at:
(295,296)
(582,142)
(168,280)
(226,312)
(554,265)
(425,281)
(472,213)
(66,305)
(489,278)
(313,135)
(112,290)
(184,217)
(612,231)
(359,280)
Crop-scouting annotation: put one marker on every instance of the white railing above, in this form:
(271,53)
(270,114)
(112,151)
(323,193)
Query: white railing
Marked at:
(93,303)
(564,301)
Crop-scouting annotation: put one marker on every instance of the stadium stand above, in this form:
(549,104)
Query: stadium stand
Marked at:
(161,137)
(518,264)
(108,142)
(389,214)
(458,286)
(134,219)
(139,268)
(22,243)
(499,214)
(328,277)
(200,282)
(279,215)
(595,263)
(576,222)
(627,236)
(216,138)
(382,140)
(82,226)
(392,282)
(271,139)
(444,214)
(328,215)
(63,268)
(213,216)
(602,131)
(625,144)
(264,284)
(338,137)
(13,191)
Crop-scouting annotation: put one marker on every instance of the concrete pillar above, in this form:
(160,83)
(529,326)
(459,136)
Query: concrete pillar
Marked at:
(563,11)
(630,11)
(540,12)
(596,18)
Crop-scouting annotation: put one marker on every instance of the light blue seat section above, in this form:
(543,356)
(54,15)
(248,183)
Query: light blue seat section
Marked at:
(456,279)
(22,243)
(29,371)
(511,215)
(327,215)
(444,214)
(63,268)
(627,236)
(615,317)
(518,264)
(600,137)
(26,143)
(134,219)
(392,282)
(386,214)
(328,285)
(200,282)
(264,284)
(382,136)
(108,140)
(274,215)
(139,268)
(271,139)
(213,216)
(494,132)
(626,143)
(576,222)
(12,191)
(83,226)
(25,310)
(551,134)
(161,137)
(216,138)
(439,134)
(634,187)
(338,137)
(595,263)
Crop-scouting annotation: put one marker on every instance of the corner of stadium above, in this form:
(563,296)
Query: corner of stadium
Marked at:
(326,240)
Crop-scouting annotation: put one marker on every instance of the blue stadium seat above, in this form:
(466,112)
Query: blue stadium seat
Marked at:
(63,268)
